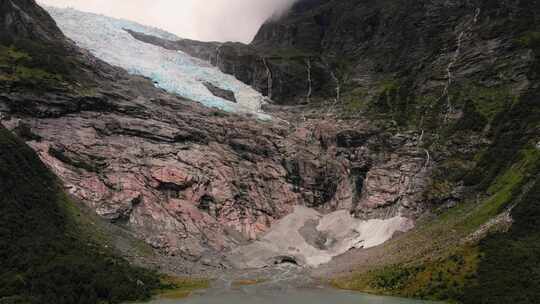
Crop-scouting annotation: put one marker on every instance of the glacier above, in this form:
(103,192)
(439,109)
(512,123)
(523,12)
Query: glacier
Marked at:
(174,71)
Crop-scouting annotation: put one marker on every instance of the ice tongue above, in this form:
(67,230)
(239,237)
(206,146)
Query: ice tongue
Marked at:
(176,72)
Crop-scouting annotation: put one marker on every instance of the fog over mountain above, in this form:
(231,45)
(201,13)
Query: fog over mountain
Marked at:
(209,20)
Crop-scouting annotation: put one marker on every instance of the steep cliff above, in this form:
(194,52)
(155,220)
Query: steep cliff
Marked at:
(463,75)
(48,254)
(193,181)
(422,111)
(365,47)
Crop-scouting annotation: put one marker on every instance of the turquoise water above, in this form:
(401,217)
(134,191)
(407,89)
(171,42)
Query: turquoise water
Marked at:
(293,296)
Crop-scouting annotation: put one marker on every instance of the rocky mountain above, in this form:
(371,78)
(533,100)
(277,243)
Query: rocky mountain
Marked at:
(47,249)
(107,39)
(399,133)
(362,47)
(195,181)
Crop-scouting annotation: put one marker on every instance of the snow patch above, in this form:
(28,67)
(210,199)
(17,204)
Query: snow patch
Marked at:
(340,229)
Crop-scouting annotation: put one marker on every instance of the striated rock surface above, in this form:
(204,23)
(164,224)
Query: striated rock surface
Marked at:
(195,181)
(411,108)
(192,181)
(198,182)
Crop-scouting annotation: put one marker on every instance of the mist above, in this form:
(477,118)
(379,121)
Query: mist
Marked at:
(206,20)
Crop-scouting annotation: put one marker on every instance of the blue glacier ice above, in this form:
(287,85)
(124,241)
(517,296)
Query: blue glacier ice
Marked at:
(174,71)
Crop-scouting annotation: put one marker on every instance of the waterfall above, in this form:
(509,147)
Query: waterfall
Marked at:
(338,86)
(218,55)
(335,78)
(268,77)
(310,89)
(453,61)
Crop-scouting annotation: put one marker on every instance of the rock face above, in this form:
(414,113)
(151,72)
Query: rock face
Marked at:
(219,92)
(195,181)
(431,47)
(24,19)
(198,182)
(281,75)
(190,181)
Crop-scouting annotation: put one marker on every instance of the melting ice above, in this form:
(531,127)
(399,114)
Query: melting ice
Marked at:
(173,71)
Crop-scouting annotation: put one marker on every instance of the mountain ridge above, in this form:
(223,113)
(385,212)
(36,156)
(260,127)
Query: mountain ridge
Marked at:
(427,110)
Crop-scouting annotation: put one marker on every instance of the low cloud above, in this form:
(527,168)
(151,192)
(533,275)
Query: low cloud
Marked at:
(207,20)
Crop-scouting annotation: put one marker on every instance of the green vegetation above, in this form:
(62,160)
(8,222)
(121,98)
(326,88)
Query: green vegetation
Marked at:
(498,161)
(444,278)
(508,185)
(247,282)
(178,288)
(509,271)
(529,40)
(512,137)
(16,67)
(355,101)
(384,101)
(46,256)
(393,99)
(39,67)
(480,104)
(436,264)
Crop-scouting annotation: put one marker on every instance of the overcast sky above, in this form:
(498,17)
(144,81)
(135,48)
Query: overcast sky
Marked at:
(221,20)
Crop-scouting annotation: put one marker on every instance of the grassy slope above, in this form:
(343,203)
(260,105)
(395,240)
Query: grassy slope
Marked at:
(54,249)
(509,271)
(50,253)
(46,256)
(178,288)
(27,66)
(433,261)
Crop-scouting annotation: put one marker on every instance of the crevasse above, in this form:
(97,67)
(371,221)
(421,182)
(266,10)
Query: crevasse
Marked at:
(174,71)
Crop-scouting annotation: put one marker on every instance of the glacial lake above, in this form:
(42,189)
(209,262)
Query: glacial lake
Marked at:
(289,296)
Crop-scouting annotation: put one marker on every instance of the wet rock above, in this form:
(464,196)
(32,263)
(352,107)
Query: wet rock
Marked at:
(219,92)
(351,139)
